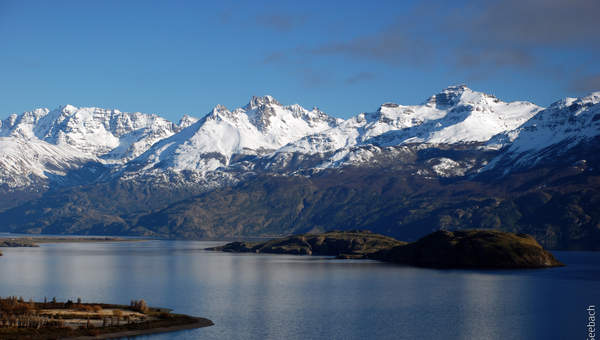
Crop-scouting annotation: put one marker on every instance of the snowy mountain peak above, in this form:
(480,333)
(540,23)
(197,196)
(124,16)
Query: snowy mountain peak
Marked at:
(577,103)
(218,111)
(257,102)
(186,121)
(449,96)
(553,131)
(68,109)
(386,109)
(219,108)
(593,97)
(568,111)
(456,90)
(460,95)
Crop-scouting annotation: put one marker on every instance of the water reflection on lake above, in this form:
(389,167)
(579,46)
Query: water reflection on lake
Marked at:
(293,297)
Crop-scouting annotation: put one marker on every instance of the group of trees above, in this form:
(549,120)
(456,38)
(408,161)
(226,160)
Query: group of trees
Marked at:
(15,305)
(139,306)
(15,312)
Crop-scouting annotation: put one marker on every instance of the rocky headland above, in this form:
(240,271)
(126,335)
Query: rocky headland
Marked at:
(471,249)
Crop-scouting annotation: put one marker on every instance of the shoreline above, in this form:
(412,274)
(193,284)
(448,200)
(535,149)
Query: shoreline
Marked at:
(68,238)
(199,323)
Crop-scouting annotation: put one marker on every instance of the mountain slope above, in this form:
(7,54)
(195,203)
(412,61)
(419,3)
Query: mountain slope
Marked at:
(26,163)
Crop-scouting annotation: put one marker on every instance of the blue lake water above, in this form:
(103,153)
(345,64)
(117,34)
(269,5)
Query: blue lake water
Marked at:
(298,297)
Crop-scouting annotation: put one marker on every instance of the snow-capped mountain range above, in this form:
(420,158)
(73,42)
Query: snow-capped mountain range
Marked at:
(263,126)
(113,135)
(551,132)
(455,115)
(42,146)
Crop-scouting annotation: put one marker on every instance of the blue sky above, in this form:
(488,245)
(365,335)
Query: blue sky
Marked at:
(176,57)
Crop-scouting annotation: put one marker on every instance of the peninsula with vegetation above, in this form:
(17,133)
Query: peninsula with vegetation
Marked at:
(20,319)
(441,249)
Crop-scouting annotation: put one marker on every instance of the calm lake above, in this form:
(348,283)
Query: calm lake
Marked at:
(294,297)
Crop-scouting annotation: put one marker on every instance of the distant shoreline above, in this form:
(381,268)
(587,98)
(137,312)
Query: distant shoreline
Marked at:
(79,239)
(34,241)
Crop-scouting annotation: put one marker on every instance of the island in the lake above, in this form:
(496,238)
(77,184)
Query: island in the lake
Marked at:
(347,244)
(20,319)
(441,249)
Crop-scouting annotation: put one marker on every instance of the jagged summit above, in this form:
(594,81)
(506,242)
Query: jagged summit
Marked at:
(257,101)
(68,108)
(186,121)
(448,96)
(460,87)
(455,90)
(459,95)
(218,112)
